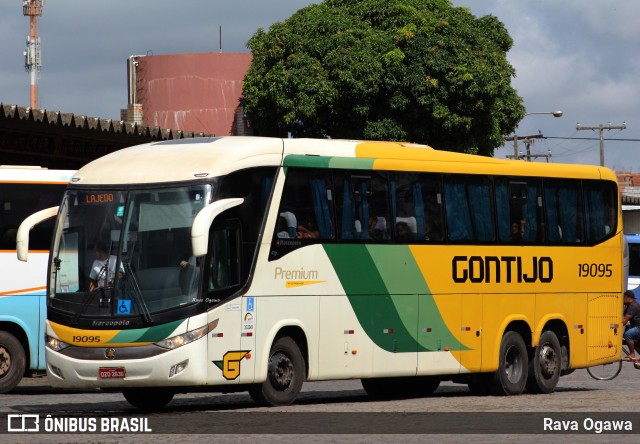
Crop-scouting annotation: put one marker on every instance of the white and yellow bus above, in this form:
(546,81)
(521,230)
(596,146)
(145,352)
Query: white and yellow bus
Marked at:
(255,264)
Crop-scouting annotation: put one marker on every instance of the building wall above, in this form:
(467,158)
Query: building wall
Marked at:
(193,92)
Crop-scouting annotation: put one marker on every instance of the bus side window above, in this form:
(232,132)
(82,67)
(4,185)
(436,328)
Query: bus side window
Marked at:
(305,213)
(362,206)
(599,202)
(18,201)
(519,210)
(469,208)
(430,189)
(407,207)
(564,215)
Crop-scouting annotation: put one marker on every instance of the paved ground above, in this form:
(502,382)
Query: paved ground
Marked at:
(339,400)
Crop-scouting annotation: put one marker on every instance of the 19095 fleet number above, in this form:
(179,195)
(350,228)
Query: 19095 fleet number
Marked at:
(594,270)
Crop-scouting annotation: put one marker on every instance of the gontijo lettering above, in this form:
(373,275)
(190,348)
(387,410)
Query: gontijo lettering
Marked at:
(507,269)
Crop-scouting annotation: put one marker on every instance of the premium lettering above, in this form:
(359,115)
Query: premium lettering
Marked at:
(501,269)
(283,273)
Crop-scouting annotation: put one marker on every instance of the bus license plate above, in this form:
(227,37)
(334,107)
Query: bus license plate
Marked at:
(111,372)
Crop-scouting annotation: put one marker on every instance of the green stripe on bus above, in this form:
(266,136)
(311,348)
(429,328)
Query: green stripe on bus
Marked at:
(151,334)
(296,160)
(351,163)
(390,298)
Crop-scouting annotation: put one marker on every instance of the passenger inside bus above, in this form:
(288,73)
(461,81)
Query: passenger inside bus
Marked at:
(291,224)
(517,230)
(307,229)
(282,231)
(378,228)
(403,232)
(431,231)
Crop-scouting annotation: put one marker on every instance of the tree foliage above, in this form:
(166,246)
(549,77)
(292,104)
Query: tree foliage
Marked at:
(412,70)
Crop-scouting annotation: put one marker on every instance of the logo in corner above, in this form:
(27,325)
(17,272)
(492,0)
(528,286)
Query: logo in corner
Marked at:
(230,364)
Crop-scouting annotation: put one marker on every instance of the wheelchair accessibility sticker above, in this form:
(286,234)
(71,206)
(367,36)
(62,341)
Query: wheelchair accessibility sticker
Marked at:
(124,307)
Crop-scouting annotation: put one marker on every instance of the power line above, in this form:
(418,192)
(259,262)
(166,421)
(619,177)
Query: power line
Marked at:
(591,138)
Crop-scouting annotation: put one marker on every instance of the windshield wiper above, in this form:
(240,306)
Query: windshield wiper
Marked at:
(137,292)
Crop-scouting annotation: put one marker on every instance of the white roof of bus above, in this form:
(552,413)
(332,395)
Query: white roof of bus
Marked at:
(189,159)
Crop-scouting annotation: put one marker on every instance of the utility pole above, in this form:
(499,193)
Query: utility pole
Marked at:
(600,128)
(528,140)
(515,135)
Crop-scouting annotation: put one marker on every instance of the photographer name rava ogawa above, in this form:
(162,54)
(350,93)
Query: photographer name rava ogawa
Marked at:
(586,425)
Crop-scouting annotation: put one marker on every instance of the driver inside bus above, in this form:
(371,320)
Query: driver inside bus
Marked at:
(103,269)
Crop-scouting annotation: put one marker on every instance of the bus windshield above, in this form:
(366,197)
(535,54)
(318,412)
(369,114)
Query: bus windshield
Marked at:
(126,253)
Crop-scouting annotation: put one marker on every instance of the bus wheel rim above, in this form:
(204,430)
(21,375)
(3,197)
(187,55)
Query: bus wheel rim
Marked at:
(513,364)
(5,361)
(280,371)
(548,361)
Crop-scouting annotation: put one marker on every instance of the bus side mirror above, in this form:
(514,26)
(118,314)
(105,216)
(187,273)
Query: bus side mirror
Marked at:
(203,221)
(22,237)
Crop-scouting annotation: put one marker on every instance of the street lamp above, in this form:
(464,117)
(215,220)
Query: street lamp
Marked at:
(515,136)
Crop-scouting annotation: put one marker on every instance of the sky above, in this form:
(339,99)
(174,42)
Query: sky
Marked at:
(568,55)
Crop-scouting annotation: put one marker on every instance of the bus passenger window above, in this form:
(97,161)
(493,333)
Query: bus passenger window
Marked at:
(362,206)
(469,208)
(417,207)
(600,201)
(519,210)
(305,213)
(564,215)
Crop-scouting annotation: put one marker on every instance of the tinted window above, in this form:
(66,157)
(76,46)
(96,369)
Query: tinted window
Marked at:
(21,200)
(469,209)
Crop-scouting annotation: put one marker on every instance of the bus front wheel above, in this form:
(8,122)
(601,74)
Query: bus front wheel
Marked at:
(285,375)
(544,368)
(148,399)
(12,361)
(511,376)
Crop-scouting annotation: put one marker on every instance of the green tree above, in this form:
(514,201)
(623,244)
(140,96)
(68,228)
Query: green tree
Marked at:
(412,70)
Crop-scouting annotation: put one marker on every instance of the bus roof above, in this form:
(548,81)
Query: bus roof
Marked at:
(189,159)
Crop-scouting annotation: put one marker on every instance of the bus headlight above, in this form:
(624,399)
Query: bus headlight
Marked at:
(55,344)
(184,339)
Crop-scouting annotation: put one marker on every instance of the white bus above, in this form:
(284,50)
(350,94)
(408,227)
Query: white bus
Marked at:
(255,264)
(24,190)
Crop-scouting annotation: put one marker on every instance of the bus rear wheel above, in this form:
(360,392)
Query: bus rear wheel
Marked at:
(12,361)
(285,375)
(148,399)
(511,376)
(544,368)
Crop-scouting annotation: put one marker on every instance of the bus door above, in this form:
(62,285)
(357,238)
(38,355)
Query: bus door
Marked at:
(229,345)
